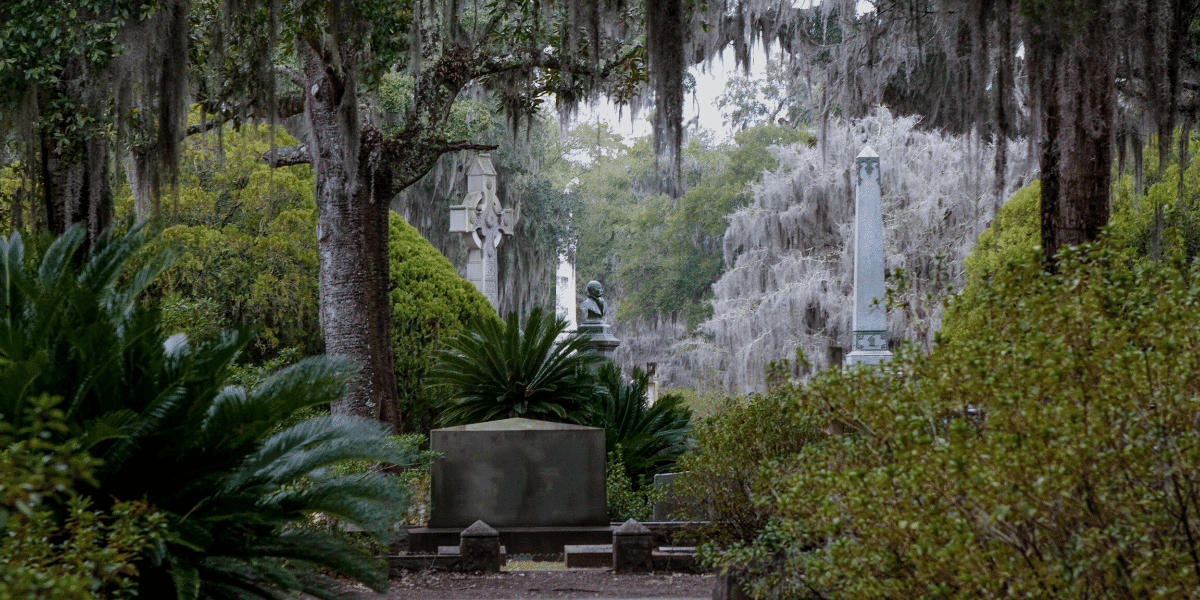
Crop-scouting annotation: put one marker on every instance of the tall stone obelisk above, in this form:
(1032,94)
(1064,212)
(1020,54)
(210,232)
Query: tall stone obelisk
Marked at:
(869,322)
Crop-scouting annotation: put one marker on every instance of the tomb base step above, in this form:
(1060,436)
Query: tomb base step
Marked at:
(518,540)
(588,556)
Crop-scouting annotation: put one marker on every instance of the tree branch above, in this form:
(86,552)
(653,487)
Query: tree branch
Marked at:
(286,156)
(288,105)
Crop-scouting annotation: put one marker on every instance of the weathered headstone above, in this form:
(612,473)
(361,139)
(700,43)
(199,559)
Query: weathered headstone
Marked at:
(595,309)
(869,322)
(484,224)
(518,473)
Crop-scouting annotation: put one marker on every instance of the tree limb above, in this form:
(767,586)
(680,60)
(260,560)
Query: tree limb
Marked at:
(286,156)
(287,105)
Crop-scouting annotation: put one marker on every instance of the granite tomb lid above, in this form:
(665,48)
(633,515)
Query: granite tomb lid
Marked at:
(519,424)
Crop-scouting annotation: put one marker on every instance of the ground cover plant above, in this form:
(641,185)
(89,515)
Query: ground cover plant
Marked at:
(227,483)
(1054,453)
(78,552)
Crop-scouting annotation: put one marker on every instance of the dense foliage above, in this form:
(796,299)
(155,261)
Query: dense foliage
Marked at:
(1053,453)
(229,483)
(245,234)
(623,501)
(498,370)
(1155,213)
(430,303)
(660,255)
(724,469)
(55,545)
(645,439)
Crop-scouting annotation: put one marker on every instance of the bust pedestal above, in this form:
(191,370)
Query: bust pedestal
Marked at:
(600,338)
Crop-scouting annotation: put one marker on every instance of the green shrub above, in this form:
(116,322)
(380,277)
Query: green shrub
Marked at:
(1134,226)
(1053,453)
(54,545)
(156,409)
(430,303)
(246,236)
(644,440)
(500,370)
(731,448)
(625,502)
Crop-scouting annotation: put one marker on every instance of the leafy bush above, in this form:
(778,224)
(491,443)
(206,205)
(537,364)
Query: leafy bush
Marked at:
(731,448)
(1148,226)
(157,411)
(55,546)
(644,440)
(501,370)
(625,502)
(430,303)
(247,240)
(1054,452)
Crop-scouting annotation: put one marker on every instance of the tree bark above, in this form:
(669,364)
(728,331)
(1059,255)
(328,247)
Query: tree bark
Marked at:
(352,189)
(1079,109)
(75,187)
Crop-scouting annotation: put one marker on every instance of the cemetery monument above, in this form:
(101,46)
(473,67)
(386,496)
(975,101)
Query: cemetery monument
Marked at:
(869,321)
(484,224)
(594,309)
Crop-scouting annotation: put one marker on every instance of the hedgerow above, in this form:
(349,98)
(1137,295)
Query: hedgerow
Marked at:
(1052,453)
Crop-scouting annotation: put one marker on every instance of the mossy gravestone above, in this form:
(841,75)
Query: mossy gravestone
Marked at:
(518,473)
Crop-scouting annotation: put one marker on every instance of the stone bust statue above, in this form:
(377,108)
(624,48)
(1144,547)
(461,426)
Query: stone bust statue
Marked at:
(594,305)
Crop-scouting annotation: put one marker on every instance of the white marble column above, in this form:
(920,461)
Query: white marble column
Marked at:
(869,322)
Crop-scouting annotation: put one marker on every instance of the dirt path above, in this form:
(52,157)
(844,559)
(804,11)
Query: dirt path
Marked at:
(573,584)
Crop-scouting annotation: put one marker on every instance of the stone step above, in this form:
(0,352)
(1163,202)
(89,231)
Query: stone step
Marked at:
(455,551)
(588,556)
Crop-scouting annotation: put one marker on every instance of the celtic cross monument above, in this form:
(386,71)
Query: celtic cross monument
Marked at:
(483,224)
(869,322)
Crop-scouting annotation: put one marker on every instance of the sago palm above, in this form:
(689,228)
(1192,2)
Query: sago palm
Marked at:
(156,409)
(649,438)
(499,370)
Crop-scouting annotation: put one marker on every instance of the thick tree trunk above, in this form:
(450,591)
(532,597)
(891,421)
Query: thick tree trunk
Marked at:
(75,187)
(1079,109)
(351,193)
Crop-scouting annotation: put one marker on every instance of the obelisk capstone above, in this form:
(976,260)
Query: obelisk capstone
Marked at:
(869,321)
(484,224)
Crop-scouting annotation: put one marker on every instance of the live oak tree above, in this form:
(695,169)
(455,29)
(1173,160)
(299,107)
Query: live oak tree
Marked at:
(358,169)
(1084,80)
(74,78)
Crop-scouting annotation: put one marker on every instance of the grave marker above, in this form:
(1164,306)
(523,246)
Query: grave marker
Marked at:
(869,321)
(484,224)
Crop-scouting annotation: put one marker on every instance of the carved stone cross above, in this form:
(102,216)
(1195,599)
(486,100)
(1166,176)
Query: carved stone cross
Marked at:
(484,224)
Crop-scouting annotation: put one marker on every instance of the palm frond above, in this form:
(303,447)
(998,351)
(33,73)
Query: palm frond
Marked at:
(170,430)
(367,500)
(649,438)
(314,443)
(501,370)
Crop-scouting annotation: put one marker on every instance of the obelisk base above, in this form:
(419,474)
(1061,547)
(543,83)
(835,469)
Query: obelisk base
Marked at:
(872,358)
(870,348)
